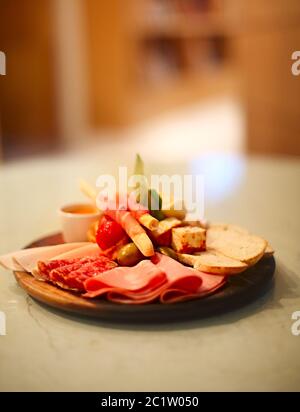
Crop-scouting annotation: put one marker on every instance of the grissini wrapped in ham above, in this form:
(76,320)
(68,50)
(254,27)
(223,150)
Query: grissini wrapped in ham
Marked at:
(133,230)
(140,212)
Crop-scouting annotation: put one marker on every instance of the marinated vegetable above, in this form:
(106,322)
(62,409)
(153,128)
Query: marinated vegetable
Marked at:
(129,255)
(109,233)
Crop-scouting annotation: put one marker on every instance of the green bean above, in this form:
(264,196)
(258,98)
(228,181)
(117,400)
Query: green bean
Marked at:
(168,252)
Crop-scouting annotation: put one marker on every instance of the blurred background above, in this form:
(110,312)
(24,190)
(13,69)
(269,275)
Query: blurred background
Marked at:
(172,78)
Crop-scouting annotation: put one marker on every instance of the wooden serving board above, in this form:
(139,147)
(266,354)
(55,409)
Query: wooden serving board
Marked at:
(239,291)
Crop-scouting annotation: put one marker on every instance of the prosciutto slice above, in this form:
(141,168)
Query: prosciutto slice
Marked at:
(26,259)
(88,250)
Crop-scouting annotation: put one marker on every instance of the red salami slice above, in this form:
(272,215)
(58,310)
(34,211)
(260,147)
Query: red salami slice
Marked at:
(71,274)
(44,268)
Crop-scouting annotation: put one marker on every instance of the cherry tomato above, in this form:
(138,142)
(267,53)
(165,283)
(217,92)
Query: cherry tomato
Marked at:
(109,233)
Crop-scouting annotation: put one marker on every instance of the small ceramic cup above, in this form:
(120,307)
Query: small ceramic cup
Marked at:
(76,220)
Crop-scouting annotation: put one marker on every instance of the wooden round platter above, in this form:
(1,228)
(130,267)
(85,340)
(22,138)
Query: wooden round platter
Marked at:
(238,291)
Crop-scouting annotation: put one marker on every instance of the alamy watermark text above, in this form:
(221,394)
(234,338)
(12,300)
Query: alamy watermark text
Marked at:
(2,63)
(296,64)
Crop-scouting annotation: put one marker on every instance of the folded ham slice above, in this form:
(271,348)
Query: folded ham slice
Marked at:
(141,279)
(26,259)
(185,283)
(210,283)
(161,278)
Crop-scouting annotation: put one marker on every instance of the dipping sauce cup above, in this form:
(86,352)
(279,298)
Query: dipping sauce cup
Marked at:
(76,220)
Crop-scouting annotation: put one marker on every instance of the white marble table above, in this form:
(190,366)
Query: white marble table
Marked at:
(250,349)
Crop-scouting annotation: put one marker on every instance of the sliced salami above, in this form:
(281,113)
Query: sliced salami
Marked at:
(26,259)
(71,274)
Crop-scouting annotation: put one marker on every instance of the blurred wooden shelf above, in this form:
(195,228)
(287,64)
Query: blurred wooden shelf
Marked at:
(177,25)
(154,99)
(142,62)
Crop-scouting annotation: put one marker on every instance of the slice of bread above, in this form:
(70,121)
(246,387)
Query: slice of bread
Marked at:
(269,251)
(236,245)
(213,262)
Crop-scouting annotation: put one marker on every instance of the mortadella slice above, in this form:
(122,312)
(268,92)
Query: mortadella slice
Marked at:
(131,285)
(185,283)
(181,281)
(143,277)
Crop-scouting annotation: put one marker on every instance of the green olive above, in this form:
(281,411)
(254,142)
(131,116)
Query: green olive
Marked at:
(158,214)
(168,252)
(129,255)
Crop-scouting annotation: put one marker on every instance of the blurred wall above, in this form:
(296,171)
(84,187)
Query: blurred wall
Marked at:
(27,101)
(270,35)
(73,65)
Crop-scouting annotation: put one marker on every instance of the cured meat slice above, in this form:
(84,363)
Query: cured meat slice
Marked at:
(71,274)
(44,268)
(89,250)
(181,281)
(135,285)
(210,283)
(142,278)
(8,262)
(26,259)
(185,283)
(135,298)
(178,275)
(29,261)
(167,294)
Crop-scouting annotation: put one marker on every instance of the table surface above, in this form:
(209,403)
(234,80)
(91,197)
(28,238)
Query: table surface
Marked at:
(249,349)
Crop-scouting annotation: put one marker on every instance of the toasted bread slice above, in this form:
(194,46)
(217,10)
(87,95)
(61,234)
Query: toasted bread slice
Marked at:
(269,251)
(223,226)
(213,262)
(228,226)
(236,245)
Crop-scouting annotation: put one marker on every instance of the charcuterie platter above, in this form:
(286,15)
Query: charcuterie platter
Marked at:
(240,291)
(121,260)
